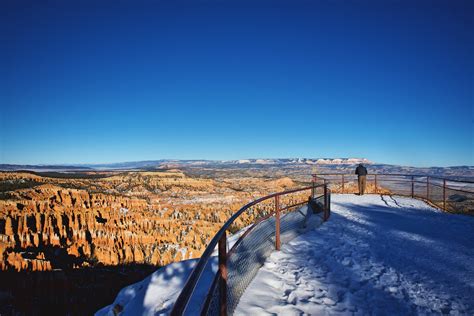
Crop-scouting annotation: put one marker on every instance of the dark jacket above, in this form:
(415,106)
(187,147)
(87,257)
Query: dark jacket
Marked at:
(361,170)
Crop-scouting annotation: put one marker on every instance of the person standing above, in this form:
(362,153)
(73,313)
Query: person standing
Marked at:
(361,173)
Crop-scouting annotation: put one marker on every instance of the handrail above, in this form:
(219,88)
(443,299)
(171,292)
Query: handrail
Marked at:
(399,175)
(441,202)
(182,301)
(412,180)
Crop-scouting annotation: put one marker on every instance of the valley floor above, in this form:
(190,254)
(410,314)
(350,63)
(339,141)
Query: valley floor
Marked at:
(376,255)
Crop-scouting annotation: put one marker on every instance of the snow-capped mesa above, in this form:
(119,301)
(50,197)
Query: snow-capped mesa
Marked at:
(354,161)
(243,161)
(343,161)
(265,161)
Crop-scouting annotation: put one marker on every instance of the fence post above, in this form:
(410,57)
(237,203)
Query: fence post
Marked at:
(223,274)
(444,194)
(412,186)
(326,202)
(376,184)
(277,222)
(313,187)
(342,183)
(428,188)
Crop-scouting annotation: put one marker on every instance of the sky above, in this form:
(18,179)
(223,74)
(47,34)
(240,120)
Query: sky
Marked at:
(113,81)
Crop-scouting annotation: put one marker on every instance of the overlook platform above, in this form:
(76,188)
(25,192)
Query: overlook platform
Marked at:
(379,254)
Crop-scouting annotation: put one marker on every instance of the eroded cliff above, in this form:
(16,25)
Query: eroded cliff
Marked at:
(136,217)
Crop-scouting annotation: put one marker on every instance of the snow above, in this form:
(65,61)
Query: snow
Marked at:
(378,255)
(265,161)
(243,161)
(155,295)
(339,161)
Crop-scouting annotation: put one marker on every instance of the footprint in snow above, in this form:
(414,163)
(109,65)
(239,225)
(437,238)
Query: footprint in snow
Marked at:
(292,298)
(287,288)
(346,262)
(329,302)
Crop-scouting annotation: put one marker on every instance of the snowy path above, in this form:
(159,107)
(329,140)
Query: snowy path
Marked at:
(377,255)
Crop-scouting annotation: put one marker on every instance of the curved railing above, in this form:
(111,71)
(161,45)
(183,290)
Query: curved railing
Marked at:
(264,228)
(451,195)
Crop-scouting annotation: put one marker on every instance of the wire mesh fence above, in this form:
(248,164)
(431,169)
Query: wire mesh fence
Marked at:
(451,195)
(250,254)
(277,218)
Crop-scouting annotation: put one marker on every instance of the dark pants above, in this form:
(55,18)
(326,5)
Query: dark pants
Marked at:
(362,184)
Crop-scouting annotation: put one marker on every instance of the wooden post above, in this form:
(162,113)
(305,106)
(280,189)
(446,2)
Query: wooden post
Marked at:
(277,222)
(342,183)
(313,188)
(376,184)
(223,275)
(444,194)
(412,186)
(427,188)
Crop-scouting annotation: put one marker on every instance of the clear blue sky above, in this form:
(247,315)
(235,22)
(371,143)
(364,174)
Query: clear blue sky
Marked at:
(111,81)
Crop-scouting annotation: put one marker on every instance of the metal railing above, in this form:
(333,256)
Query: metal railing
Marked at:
(238,266)
(450,195)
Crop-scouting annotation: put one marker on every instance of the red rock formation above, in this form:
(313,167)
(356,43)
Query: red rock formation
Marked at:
(139,217)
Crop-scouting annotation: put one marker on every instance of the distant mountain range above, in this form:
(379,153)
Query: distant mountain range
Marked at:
(312,161)
(329,164)
(12,167)
(164,162)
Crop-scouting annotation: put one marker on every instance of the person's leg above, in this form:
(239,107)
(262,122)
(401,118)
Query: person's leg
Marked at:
(360,184)
(364,183)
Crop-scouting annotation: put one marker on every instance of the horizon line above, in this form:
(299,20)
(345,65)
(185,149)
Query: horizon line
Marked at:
(368,161)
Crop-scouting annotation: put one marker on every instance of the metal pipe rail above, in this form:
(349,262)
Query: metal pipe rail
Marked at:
(397,175)
(445,193)
(220,240)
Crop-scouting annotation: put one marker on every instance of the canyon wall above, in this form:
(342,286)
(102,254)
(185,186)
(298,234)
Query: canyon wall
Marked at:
(149,218)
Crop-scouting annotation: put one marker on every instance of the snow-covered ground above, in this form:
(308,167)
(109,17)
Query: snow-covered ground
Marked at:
(377,255)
